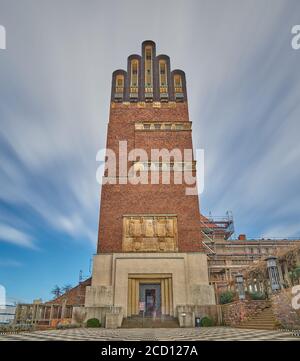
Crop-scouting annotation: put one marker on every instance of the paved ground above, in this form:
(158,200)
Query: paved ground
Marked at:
(158,334)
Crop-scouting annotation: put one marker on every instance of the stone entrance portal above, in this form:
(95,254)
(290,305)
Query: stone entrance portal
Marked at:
(154,290)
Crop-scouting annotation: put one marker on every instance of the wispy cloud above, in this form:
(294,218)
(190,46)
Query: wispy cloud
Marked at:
(282,231)
(10,263)
(16,237)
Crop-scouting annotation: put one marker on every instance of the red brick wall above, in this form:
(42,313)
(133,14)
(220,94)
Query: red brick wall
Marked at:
(117,200)
(239,311)
(163,139)
(76,296)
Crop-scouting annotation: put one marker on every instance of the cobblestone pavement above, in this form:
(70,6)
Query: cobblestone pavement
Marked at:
(152,334)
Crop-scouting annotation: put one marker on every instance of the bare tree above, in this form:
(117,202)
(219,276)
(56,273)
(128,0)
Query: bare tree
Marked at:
(56,291)
(66,288)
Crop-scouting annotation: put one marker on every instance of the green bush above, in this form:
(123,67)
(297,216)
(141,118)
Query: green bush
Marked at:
(16,328)
(295,273)
(226,297)
(93,322)
(206,322)
(257,296)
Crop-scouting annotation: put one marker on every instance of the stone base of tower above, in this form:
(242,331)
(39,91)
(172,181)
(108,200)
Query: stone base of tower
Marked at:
(156,284)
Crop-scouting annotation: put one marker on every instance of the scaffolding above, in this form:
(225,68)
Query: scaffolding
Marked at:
(216,228)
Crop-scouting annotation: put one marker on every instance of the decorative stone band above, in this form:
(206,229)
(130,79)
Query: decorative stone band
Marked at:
(158,126)
(165,166)
(138,104)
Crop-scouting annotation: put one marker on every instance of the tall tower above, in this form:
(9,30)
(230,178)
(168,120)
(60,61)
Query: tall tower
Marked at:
(150,254)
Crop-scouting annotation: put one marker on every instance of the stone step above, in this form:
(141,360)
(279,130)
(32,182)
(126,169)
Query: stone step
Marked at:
(265,320)
(271,318)
(258,327)
(149,322)
(255,325)
(262,318)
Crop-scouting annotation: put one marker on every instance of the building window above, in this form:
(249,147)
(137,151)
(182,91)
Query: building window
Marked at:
(120,81)
(134,73)
(134,79)
(119,86)
(163,82)
(162,126)
(148,72)
(178,87)
(178,83)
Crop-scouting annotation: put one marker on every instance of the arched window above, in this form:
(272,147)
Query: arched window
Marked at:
(119,91)
(134,79)
(163,82)
(119,82)
(148,72)
(134,73)
(163,79)
(178,90)
(178,83)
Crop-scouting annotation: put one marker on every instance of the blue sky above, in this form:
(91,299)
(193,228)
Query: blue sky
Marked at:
(243,82)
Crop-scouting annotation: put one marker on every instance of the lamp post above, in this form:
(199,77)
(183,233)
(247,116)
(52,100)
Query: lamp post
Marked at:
(184,319)
(239,280)
(273,273)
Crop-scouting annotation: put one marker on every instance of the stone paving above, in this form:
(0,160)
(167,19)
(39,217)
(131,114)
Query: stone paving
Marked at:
(151,334)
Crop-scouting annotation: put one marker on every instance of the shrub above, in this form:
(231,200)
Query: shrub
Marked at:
(226,297)
(206,322)
(257,296)
(93,322)
(16,328)
(295,274)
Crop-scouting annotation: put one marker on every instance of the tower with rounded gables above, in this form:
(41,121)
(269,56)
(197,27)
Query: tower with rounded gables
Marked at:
(150,255)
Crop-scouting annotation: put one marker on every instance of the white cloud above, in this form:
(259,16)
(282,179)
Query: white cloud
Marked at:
(16,237)
(293,230)
(10,263)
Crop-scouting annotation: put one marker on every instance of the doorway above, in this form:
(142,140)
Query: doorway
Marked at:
(150,295)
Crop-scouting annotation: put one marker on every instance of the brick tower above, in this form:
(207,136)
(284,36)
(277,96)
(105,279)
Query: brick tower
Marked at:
(149,256)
